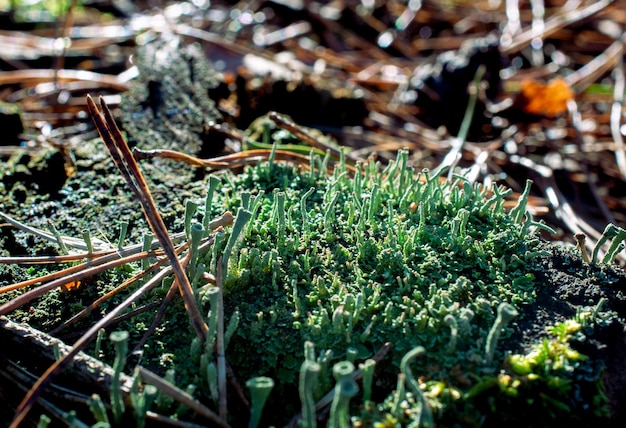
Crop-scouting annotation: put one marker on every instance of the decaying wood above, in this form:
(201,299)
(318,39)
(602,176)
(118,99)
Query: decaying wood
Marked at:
(27,352)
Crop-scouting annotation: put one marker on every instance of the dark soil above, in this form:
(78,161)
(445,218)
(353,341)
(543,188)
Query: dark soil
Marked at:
(567,284)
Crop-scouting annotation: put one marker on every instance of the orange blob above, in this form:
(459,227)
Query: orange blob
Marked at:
(70,286)
(545,99)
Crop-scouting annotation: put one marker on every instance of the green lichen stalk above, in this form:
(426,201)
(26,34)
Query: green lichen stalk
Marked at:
(423,415)
(260,388)
(345,389)
(44,421)
(98,410)
(309,372)
(120,341)
(367,369)
(242,218)
(196,233)
(506,313)
(208,202)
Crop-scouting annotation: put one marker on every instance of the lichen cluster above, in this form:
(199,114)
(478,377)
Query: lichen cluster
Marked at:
(346,260)
(357,259)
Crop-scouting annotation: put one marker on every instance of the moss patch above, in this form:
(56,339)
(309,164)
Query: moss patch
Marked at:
(350,262)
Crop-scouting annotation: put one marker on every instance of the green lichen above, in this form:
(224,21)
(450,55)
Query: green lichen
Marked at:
(552,380)
(356,261)
(347,263)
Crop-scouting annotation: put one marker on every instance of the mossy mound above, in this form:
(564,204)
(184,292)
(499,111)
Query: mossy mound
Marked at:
(352,261)
(381,258)
(359,258)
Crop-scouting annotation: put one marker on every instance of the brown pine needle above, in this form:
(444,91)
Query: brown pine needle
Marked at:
(235,160)
(129,169)
(168,298)
(45,379)
(75,318)
(65,279)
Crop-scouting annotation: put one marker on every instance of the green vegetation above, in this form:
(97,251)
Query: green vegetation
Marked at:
(357,262)
(350,261)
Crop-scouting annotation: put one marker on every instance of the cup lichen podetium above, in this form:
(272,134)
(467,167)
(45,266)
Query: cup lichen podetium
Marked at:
(358,260)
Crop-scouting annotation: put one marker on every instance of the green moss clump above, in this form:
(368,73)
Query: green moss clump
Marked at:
(349,262)
(358,260)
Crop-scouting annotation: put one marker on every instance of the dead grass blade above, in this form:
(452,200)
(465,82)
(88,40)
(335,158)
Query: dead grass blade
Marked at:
(45,379)
(127,165)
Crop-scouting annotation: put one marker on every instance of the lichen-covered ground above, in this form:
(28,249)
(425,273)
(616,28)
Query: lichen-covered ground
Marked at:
(355,264)
(349,261)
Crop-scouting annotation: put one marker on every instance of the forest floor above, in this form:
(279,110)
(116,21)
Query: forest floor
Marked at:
(545,88)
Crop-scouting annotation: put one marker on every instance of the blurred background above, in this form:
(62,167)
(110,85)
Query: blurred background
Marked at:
(508,90)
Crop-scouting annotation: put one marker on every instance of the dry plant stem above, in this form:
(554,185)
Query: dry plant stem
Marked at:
(108,295)
(219,347)
(122,256)
(127,165)
(80,344)
(181,396)
(81,274)
(171,293)
(67,240)
(286,124)
(218,40)
(555,23)
(168,298)
(106,261)
(594,69)
(235,160)
(129,315)
(42,260)
(236,386)
(616,115)
(35,76)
